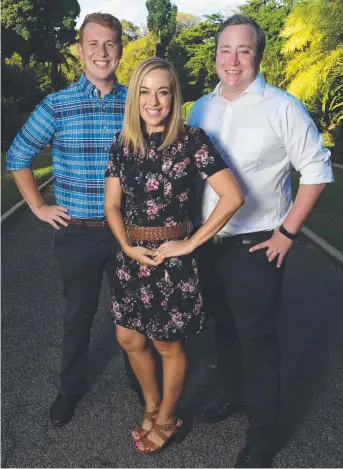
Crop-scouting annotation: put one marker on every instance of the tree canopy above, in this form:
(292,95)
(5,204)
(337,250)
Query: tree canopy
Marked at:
(130,32)
(162,22)
(134,53)
(271,16)
(314,50)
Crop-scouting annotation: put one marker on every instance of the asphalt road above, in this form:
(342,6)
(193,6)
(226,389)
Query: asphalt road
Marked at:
(312,347)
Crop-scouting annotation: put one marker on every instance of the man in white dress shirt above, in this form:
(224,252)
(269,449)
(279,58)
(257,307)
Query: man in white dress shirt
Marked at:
(261,132)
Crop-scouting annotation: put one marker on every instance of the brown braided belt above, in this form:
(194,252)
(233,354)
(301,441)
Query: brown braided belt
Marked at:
(158,233)
(101,223)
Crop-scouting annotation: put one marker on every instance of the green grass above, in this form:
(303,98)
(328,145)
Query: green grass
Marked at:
(326,219)
(42,170)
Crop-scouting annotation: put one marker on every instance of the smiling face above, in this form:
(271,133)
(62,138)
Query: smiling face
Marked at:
(236,59)
(100,51)
(156,100)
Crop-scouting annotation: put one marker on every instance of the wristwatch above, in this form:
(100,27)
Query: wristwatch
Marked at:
(286,233)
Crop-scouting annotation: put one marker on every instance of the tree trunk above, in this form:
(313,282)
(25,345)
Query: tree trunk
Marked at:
(160,51)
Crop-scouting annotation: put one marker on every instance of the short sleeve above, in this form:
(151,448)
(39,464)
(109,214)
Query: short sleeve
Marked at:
(207,159)
(113,168)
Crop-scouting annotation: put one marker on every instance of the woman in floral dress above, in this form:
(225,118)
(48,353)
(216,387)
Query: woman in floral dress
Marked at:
(154,163)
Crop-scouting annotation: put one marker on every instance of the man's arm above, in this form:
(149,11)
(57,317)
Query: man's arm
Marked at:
(32,138)
(304,147)
(28,188)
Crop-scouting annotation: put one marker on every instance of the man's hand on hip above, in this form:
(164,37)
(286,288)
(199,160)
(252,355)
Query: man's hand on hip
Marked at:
(53,214)
(277,246)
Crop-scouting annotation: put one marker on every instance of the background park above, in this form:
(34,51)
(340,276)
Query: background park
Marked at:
(304,56)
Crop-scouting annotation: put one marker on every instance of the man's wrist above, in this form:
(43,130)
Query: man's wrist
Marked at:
(37,207)
(288,234)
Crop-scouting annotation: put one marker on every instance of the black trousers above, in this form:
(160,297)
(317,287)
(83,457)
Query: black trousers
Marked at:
(83,254)
(242,292)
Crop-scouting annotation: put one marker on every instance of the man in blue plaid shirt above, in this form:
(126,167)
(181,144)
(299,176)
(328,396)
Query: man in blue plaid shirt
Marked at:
(81,121)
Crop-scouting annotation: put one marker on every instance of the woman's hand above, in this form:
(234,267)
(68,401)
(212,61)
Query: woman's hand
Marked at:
(143,255)
(174,249)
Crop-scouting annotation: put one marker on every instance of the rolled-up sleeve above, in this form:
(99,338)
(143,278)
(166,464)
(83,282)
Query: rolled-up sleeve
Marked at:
(304,145)
(32,138)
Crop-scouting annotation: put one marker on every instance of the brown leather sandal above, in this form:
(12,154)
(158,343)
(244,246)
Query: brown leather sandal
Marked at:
(146,446)
(138,431)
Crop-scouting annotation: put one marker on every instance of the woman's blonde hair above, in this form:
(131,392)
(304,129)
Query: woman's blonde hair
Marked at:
(132,134)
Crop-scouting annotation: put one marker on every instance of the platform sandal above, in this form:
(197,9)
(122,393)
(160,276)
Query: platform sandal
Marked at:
(178,429)
(138,432)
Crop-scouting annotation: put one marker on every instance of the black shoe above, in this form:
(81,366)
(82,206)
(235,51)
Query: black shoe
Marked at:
(62,409)
(219,410)
(254,457)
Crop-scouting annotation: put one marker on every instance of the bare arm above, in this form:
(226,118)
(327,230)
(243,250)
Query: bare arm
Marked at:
(278,245)
(230,200)
(304,202)
(28,188)
(113,197)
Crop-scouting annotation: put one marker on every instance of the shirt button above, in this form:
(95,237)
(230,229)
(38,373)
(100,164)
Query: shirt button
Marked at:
(105,148)
(105,127)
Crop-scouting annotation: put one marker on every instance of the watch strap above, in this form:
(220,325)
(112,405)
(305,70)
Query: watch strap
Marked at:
(286,233)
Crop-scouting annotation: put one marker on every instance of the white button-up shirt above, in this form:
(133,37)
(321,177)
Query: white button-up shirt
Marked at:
(261,135)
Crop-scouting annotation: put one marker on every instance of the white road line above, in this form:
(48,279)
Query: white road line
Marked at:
(15,207)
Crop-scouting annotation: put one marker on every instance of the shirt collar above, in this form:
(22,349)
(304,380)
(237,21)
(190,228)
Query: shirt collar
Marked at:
(91,90)
(256,87)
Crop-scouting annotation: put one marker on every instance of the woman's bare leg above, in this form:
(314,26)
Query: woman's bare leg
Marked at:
(174,371)
(143,364)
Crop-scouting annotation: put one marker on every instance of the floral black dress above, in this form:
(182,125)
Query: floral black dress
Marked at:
(162,302)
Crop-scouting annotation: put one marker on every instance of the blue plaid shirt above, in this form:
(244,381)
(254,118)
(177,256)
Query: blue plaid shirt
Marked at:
(81,126)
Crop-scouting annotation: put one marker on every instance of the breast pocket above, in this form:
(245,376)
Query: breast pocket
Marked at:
(247,147)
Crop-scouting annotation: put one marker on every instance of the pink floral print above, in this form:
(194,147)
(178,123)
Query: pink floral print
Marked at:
(163,302)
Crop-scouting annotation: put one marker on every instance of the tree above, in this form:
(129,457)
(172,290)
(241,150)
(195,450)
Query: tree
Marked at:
(271,16)
(314,49)
(133,54)
(130,32)
(162,22)
(193,54)
(40,29)
(185,21)
(36,35)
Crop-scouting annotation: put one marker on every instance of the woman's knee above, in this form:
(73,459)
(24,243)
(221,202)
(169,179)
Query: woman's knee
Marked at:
(169,349)
(130,340)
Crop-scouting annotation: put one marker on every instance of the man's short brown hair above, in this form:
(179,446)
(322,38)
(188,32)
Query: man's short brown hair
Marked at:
(104,19)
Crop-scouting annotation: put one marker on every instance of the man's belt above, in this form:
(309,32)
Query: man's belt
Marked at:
(158,233)
(93,223)
(239,240)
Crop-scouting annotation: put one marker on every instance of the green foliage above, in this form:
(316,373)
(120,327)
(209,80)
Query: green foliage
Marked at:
(162,22)
(72,69)
(130,32)
(36,36)
(193,54)
(133,54)
(314,72)
(186,109)
(270,15)
(39,29)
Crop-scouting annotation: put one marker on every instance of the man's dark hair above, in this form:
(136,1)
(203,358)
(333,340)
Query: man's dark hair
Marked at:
(259,33)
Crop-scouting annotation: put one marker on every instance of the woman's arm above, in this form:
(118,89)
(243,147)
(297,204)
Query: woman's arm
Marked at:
(112,204)
(230,200)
